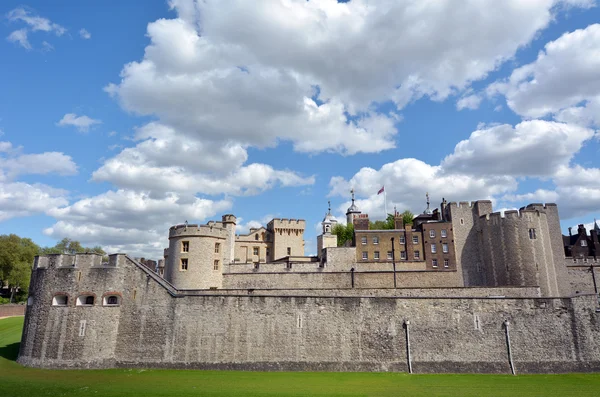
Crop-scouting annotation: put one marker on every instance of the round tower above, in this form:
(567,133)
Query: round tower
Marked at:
(196,255)
(353,210)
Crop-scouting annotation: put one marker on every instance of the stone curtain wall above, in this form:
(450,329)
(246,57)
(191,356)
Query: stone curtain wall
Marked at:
(286,280)
(12,310)
(158,326)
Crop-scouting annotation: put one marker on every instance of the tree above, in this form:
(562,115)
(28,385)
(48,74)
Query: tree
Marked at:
(388,224)
(16,258)
(407,217)
(344,233)
(68,246)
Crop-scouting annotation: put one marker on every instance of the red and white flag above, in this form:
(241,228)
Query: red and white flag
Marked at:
(381,190)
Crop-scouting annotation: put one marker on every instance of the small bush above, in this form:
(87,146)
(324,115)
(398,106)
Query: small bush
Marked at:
(4,301)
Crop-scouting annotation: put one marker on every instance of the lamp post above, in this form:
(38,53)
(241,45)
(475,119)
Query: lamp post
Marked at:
(394,261)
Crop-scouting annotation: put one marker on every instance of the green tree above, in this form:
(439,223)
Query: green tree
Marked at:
(68,246)
(344,233)
(407,217)
(16,259)
(388,224)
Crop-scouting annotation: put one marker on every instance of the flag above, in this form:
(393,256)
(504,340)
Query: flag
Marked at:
(381,190)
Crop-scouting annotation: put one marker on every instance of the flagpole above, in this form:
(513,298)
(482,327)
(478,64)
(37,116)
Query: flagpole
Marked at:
(384,204)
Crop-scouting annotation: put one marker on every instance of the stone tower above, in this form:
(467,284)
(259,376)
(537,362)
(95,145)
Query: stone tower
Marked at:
(352,212)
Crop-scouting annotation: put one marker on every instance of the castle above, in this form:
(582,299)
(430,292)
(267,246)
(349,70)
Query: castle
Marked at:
(460,289)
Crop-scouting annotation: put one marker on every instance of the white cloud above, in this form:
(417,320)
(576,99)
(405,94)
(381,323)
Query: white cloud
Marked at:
(209,68)
(133,222)
(82,123)
(14,163)
(18,199)
(469,102)
(84,34)
(564,80)
(164,160)
(35,22)
(407,180)
(20,36)
(531,148)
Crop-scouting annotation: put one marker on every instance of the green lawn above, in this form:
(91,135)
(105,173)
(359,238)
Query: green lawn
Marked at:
(19,381)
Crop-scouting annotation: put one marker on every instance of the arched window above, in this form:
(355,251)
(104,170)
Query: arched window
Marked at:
(85,300)
(111,300)
(60,300)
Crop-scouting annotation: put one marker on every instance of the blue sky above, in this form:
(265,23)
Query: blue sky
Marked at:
(120,118)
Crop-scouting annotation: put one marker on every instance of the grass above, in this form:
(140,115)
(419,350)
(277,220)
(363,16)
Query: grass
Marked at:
(16,380)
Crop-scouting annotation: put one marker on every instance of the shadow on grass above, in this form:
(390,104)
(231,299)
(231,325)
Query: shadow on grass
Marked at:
(10,352)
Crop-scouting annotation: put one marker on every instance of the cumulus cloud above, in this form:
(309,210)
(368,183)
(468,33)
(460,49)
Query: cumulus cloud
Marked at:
(488,165)
(164,160)
(469,102)
(531,148)
(209,68)
(84,34)
(563,81)
(82,123)
(14,163)
(18,199)
(129,221)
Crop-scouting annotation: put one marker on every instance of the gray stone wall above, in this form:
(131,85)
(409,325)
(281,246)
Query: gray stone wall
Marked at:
(157,325)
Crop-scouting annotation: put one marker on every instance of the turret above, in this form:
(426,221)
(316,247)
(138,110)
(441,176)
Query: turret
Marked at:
(353,211)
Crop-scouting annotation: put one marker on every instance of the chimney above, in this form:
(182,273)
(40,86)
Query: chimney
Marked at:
(570,231)
(581,230)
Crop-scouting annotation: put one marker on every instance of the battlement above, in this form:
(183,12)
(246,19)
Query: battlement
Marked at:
(540,206)
(582,261)
(212,229)
(65,261)
(496,217)
(285,223)
(468,204)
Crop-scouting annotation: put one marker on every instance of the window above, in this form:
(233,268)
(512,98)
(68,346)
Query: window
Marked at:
(60,300)
(363,240)
(217,248)
(434,262)
(85,300)
(390,255)
(446,263)
(216,265)
(444,233)
(185,246)
(532,234)
(415,239)
(376,255)
(184,264)
(584,243)
(445,248)
(432,233)
(365,255)
(403,255)
(289,251)
(433,249)
(111,300)
(256,237)
(375,240)
(402,240)
(417,255)
(268,252)
(256,250)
